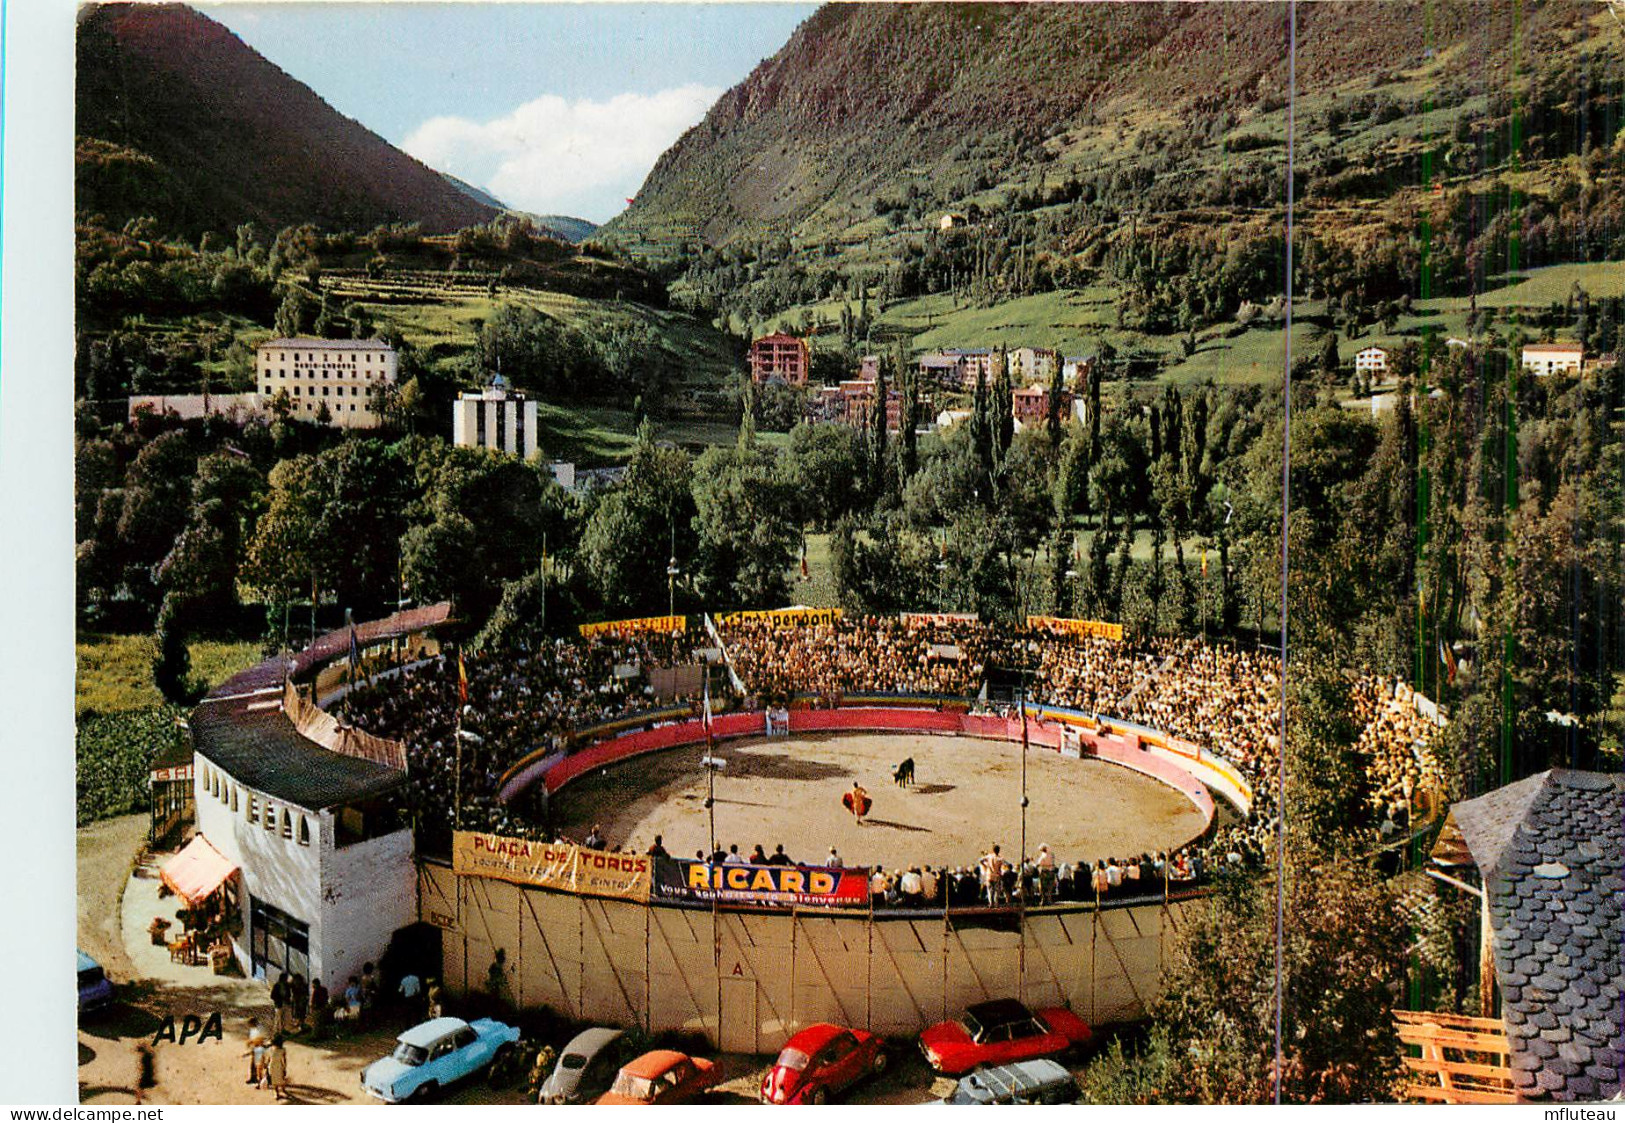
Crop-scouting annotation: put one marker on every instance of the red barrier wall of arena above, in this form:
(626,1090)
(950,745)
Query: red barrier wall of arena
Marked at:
(1040,735)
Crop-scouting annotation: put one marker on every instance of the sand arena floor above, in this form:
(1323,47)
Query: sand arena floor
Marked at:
(966,796)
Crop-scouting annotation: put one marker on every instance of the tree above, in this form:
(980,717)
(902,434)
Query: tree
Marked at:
(877,437)
(825,463)
(910,378)
(1004,421)
(1057,388)
(1329,359)
(630,534)
(333,521)
(748,536)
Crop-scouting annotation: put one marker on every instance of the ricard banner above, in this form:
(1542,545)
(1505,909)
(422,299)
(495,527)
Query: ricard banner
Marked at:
(1094,629)
(567,868)
(663,624)
(811,886)
(783,617)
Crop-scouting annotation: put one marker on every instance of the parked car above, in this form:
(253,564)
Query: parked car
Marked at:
(1000,1032)
(434,1054)
(1026,1082)
(587,1067)
(95,988)
(661,1077)
(820,1061)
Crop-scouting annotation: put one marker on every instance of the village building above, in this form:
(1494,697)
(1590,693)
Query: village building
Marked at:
(780,357)
(1032,364)
(1030,405)
(496,418)
(1544,359)
(339,374)
(1371,361)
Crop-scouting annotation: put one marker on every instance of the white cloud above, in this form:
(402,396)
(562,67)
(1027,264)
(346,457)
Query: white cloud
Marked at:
(559,156)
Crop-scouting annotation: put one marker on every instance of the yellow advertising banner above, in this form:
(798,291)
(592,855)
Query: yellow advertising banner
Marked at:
(931,619)
(642,624)
(1090,628)
(784,617)
(567,868)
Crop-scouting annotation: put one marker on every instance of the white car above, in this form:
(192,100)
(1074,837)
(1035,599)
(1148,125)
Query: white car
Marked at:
(434,1055)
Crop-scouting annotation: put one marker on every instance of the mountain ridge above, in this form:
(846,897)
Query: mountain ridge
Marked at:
(179,120)
(943,88)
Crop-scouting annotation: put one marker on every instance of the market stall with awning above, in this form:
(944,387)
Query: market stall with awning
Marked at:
(197,871)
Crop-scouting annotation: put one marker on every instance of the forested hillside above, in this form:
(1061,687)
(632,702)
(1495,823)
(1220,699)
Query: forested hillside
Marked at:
(1142,148)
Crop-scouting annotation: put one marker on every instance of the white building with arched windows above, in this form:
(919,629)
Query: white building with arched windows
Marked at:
(307,812)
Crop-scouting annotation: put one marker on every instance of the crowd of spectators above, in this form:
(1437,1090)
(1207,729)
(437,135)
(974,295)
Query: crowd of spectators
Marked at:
(1397,743)
(1221,698)
(863,654)
(519,702)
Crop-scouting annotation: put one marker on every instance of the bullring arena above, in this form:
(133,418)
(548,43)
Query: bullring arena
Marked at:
(966,796)
(1143,765)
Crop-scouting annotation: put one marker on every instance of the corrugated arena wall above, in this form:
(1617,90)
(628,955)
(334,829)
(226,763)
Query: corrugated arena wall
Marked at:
(748,980)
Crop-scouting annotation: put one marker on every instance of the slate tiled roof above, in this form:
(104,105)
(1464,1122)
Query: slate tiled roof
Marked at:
(1552,851)
(261,749)
(241,727)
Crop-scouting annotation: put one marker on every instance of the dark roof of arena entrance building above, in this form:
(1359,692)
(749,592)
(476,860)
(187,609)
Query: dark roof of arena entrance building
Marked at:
(1551,849)
(240,726)
(262,750)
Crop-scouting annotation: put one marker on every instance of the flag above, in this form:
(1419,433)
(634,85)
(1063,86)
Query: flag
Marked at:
(462,679)
(705,715)
(355,650)
(1204,561)
(803,559)
(1448,658)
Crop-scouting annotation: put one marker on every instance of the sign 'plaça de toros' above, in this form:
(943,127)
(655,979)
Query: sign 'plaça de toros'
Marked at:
(811,886)
(565,867)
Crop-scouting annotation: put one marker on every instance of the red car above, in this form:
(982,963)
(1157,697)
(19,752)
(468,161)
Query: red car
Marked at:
(820,1061)
(661,1077)
(998,1033)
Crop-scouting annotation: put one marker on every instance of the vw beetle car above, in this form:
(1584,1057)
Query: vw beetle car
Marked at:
(820,1061)
(434,1054)
(998,1033)
(586,1067)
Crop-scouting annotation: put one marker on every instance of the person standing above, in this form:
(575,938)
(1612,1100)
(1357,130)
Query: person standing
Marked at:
(281,1004)
(276,1068)
(436,999)
(1046,874)
(993,875)
(321,1014)
(411,990)
(369,990)
(256,1050)
(299,992)
(834,860)
(857,800)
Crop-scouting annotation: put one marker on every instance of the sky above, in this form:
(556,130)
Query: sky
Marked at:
(554,108)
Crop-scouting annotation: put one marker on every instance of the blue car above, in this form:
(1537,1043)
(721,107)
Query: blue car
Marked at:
(95,989)
(435,1054)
